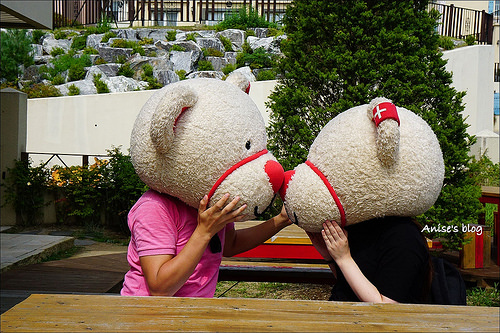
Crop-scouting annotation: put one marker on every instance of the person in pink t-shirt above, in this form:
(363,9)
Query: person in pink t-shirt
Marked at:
(169,251)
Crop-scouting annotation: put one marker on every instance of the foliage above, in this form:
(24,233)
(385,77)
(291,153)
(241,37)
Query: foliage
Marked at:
(211,52)
(79,42)
(148,76)
(177,47)
(122,189)
(446,43)
(60,34)
(483,296)
(470,40)
(103,26)
(100,85)
(124,43)
(100,61)
(244,18)
(125,70)
(37,36)
(67,62)
(192,36)
(24,189)
(40,90)
(228,69)
(90,50)
(58,79)
(146,41)
(107,36)
(266,75)
(57,51)
(15,50)
(205,65)
(341,54)
(257,58)
(181,73)
(484,171)
(228,45)
(171,35)
(73,90)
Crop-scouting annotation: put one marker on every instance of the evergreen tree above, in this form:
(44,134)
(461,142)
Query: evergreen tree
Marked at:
(343,53)
(15,46)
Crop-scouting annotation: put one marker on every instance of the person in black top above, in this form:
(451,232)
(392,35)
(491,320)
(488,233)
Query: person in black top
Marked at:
(380,260)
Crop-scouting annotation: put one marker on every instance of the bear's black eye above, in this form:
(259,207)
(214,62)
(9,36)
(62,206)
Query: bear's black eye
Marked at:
(248,145)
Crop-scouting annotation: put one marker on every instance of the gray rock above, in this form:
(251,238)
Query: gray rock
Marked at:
(122,84)
(32,73)
(269,44)
(94,70)
(129,34)
(236,36)
(218,63)
(183,60)
(155,34)
(206,74)
(210,43)
(110,69)
(188,45)
(247,72)
(49,43)
(37,50)
(86,87)
(261,32)
(112,54)
(42,60)
(165,77)
(94,40)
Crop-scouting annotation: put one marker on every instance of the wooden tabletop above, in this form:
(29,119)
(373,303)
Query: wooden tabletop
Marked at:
(103,313)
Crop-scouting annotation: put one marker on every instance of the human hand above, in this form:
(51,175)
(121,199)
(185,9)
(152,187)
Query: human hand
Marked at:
(213,219)
(335,239)
(319,244)
(282,219)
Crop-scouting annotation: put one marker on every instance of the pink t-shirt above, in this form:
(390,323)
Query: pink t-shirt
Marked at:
(159,225)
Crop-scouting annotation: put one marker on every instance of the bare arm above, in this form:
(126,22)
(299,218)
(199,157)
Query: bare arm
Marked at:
(336,242)
(238,241)
(166,274)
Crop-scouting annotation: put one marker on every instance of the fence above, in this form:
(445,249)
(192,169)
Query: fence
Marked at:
(160,12)
(461,22)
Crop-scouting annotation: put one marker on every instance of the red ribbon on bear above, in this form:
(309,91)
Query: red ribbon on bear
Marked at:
(385,111)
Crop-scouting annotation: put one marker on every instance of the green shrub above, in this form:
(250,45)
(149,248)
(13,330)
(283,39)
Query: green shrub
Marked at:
(125,70)
(76,72)
(40,90)
(177,47)
(107,36)
(104,25)
(192,36)
(147,76)
(79,43)
(228,69)
(446,43)
(266,75)
(146,41)
(100,61)
(228,45)
(24,189)
(100,85)
(205,65)
(123,43)
(57,51)
(258,58)
(73,90)
(171,35)
(470,40)
(210,52)
(15,50)
(60,34)
(36,36)
(58,79)
(181,73)
(90,50)
(67,62)
(244,18)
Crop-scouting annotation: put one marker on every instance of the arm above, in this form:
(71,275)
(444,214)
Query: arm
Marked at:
(238,241)
(336,242)
(165,274)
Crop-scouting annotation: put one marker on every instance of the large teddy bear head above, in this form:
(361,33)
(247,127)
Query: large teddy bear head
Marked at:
(370,161)
(205,136)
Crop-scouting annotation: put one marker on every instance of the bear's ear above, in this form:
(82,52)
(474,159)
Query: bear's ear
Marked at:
(239,80)
(386,119)
(169,109)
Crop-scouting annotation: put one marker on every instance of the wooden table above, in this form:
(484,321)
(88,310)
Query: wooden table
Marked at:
(103,313)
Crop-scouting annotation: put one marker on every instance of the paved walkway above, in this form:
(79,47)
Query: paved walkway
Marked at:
(25,248)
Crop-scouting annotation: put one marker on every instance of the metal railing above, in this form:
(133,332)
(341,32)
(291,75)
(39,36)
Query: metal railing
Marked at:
(496,72)
(160,12)
(59,156)
(459,23)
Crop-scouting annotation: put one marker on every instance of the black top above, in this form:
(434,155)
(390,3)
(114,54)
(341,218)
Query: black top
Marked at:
(392,254)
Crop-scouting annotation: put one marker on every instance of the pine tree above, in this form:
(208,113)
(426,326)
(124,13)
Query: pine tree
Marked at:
(343,53)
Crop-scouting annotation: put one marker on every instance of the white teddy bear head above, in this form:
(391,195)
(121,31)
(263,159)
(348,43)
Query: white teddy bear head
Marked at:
(205,136)
(370,161)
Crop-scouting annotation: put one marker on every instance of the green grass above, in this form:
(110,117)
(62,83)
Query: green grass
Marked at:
(484,296)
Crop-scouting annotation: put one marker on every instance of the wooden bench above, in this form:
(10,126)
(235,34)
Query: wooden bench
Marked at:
(289,256)
(102,313)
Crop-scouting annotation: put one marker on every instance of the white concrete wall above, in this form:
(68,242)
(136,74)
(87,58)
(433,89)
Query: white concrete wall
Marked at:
(93,123)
